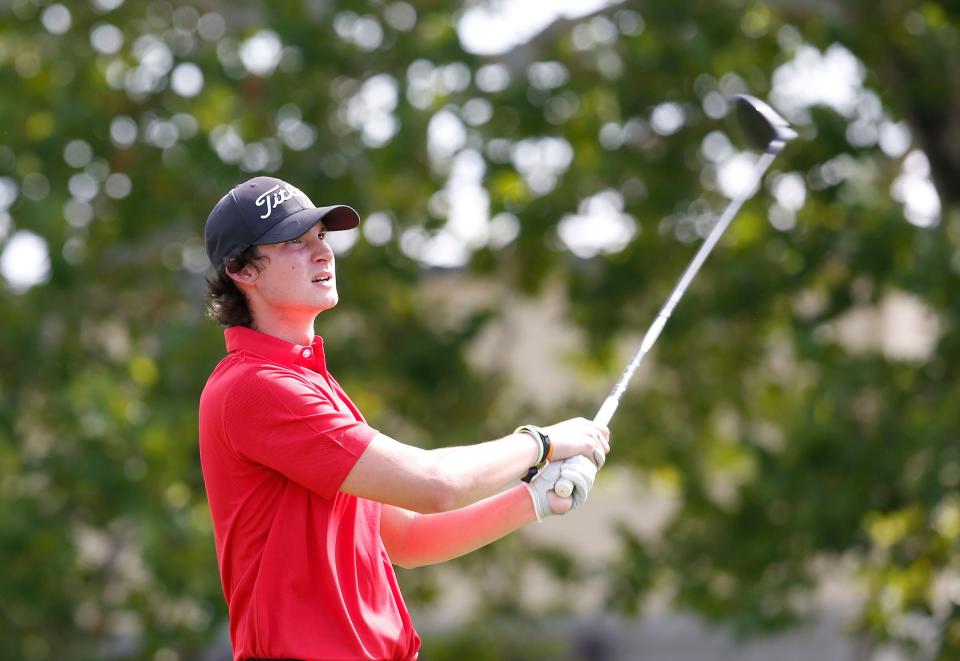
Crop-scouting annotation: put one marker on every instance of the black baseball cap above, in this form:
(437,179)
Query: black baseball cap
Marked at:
(266,210)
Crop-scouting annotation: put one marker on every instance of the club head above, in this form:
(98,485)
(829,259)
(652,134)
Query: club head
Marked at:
(762,127)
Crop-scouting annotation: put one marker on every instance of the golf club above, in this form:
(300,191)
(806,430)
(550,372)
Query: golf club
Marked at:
(763,129)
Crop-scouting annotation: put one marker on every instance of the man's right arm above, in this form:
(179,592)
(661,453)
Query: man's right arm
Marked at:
(449,478)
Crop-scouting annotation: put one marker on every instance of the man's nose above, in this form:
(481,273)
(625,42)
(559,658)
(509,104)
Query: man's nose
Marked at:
(322,249)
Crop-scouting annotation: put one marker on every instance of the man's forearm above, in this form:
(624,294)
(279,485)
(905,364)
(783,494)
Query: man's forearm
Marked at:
(440,480)
(478,471)
(414,540)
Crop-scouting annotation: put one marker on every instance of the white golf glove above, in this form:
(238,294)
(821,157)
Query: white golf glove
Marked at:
(580,473)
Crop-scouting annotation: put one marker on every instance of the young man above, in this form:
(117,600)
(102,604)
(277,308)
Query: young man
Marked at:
(311,507)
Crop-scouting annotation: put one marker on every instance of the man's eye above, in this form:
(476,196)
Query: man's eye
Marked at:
(322,235)
(294,241)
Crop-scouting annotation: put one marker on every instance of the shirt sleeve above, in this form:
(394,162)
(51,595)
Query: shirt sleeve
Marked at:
(277,419)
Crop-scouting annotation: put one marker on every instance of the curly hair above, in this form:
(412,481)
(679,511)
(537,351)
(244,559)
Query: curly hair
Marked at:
(226,304)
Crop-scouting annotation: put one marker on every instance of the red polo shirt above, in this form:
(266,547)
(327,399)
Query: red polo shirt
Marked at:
(305,573)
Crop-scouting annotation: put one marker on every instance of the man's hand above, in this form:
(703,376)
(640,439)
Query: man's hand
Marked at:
(582,472)
(579,470)
(579,436)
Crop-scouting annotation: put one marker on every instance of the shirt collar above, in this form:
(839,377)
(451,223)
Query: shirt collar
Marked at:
(247,340)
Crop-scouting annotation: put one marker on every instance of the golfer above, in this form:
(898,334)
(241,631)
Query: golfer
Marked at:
(311,506)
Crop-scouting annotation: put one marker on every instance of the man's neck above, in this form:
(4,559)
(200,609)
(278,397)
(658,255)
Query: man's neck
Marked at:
(296,330)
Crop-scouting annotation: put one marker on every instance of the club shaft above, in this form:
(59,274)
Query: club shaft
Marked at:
(609,406)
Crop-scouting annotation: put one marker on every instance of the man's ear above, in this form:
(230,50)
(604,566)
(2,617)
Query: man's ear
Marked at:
(245,276)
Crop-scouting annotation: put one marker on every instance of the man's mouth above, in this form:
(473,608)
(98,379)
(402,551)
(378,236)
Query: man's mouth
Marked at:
(323,278)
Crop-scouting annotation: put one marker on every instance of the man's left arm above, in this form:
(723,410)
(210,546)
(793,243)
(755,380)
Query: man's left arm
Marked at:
(413,539)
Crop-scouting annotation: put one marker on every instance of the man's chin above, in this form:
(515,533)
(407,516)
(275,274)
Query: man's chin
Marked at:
(331,302)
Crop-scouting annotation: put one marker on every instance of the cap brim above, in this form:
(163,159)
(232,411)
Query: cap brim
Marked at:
(337,217)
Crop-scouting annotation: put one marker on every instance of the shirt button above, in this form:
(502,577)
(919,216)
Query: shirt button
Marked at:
(307,353)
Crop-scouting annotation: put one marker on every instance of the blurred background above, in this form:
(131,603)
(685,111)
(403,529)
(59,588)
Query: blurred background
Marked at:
(533,178)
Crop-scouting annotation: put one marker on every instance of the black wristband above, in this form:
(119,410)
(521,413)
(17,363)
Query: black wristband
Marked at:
(546,449)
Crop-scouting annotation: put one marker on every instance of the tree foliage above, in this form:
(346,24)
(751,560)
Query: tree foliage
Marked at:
(786,443)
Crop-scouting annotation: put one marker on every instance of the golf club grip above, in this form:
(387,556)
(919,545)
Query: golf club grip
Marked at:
(605,414)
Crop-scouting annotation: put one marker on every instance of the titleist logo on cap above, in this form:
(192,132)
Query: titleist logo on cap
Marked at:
(276,196)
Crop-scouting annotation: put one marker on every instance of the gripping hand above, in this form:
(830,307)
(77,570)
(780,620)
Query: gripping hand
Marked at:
(581,474)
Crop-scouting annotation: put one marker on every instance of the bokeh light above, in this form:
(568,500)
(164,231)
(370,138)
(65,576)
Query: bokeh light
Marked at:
(25,261)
